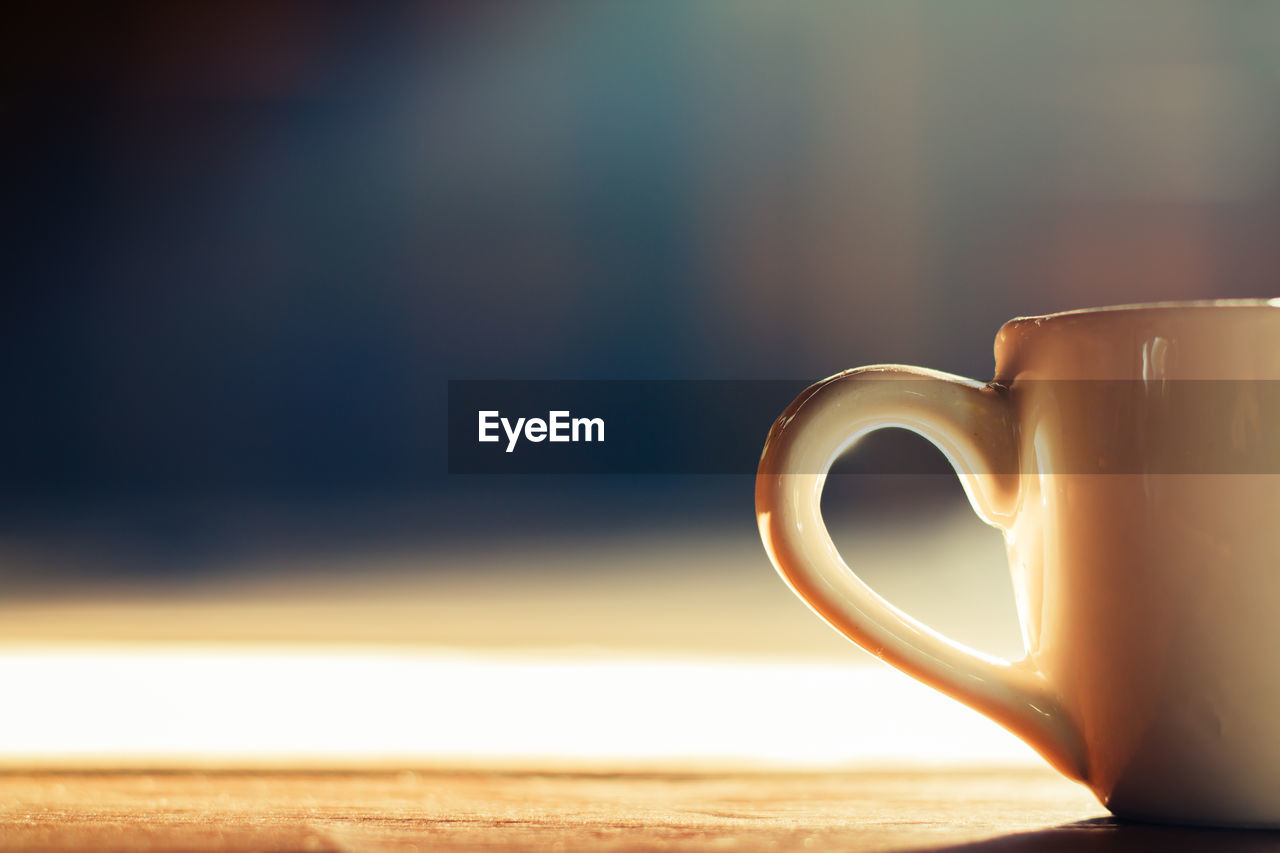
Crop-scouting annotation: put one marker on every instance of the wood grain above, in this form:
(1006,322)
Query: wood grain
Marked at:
(442,810)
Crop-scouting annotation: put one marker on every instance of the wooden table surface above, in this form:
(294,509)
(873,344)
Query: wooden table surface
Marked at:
(442,810)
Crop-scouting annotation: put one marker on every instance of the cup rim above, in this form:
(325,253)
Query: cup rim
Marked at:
(1153,306)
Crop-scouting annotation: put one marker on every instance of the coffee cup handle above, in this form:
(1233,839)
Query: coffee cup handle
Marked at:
(974,427)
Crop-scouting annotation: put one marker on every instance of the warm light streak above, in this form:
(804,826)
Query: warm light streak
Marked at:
(141,705)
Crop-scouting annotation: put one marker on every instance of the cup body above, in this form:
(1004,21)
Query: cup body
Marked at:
(1145,548)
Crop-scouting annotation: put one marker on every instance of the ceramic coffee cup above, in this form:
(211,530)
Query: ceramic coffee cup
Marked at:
(1131,456)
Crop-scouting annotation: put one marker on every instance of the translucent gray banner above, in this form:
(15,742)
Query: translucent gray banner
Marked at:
(719,427)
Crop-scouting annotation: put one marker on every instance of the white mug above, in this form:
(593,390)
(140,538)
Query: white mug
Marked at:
(1129,455)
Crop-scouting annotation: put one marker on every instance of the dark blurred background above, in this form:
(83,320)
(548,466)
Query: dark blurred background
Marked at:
(246,244)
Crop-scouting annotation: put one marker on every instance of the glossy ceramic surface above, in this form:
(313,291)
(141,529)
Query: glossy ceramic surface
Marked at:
(1131,456)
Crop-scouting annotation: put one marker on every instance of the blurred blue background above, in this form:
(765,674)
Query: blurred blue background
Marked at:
(246,245)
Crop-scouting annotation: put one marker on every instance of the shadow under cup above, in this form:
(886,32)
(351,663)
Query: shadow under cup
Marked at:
(1131,458)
